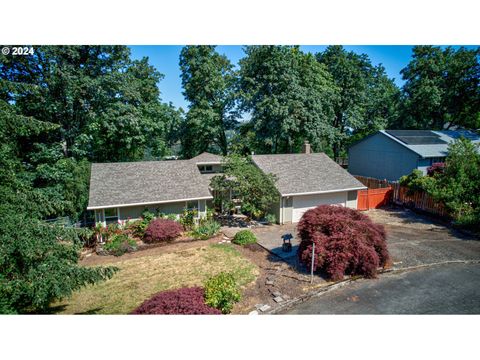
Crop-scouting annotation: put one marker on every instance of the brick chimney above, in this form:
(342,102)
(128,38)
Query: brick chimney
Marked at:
(306,147)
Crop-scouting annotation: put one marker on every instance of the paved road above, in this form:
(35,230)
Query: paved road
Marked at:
(441,289)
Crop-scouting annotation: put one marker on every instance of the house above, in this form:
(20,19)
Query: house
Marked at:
(390,154)
(122,191)
(307,180)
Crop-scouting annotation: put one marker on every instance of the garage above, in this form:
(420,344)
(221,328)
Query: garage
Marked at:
(303,203)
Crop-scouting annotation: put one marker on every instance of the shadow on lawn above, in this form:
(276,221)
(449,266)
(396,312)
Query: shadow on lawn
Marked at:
(58,309)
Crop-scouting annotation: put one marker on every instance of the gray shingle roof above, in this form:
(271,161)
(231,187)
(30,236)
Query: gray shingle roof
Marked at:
(437,150)
(306,173)
(128,183)
(207,158)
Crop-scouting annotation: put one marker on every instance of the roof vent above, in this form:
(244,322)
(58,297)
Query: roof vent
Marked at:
(307,148)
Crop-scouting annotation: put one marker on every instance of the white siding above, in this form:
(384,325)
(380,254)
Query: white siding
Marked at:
(305,202)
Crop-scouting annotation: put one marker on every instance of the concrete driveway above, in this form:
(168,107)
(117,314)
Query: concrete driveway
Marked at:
(415,240)
(442,284)
(271,238)
(440,289)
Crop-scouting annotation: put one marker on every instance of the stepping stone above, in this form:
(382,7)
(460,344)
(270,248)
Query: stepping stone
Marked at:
(276,294)
(278,299)
(269,282)
(254,312)
(286,297)
(265,308)
(258,306)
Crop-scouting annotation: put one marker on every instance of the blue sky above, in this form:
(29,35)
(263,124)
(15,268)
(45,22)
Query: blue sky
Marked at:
(165,58)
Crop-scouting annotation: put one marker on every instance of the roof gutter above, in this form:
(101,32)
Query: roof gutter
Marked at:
(326,192)
(148,203)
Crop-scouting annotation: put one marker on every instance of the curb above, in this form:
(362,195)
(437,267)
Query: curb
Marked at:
(290,303)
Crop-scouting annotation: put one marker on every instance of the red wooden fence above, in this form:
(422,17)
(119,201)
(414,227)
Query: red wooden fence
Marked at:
(373,198)
(382,192)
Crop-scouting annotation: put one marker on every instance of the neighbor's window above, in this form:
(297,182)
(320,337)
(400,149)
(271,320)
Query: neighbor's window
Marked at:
(111,215)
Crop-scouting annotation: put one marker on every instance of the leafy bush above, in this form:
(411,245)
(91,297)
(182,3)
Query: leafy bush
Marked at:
(173,217)
(206,230)
(187,219)
(416,181)
(436,168)
(120,244)
(244,237)
(147,215)
(137,228)
(222,292)
(185,301)
(162,230)
(270,218)
(458,187)
(346,242)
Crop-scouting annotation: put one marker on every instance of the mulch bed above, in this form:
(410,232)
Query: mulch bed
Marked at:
(286,280)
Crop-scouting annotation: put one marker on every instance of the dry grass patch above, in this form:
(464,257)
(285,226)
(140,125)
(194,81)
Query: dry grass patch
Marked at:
(139,278)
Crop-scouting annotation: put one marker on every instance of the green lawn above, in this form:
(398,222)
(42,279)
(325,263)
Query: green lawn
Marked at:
(139,278)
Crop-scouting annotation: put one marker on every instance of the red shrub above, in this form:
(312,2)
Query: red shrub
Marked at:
(185,301)
(162,230)
(346,242)
(438,167)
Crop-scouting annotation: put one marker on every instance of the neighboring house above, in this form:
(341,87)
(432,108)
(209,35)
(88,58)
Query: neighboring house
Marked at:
(390,154)
(121,191)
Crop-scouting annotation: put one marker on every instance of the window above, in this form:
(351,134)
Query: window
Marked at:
(434,160)
(111,215)
(192,205)
(205,168)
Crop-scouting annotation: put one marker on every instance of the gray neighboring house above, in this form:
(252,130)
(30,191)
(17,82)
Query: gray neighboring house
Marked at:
(121,191)
(390,154)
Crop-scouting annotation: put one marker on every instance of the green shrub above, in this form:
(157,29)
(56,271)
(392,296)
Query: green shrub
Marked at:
(120,244)
(206,230)
(173,217)
(222,292)
(148,215)
(187,219)
(244,237)
(270,218)
(137,228)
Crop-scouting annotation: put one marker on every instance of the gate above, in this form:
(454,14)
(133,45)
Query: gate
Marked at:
(373,198)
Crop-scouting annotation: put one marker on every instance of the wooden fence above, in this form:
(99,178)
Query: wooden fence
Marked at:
(401,195)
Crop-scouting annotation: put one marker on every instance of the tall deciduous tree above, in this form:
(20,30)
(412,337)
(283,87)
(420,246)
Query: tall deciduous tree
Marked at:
(105,107)
(208,82)
(442,89)
(289,97)
(367,98)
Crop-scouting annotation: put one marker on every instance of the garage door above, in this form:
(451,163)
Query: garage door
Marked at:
(305,202)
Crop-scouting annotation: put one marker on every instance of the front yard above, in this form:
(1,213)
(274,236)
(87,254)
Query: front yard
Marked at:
(149,272)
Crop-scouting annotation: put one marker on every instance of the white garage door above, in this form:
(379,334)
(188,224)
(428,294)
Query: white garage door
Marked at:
(305,202)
